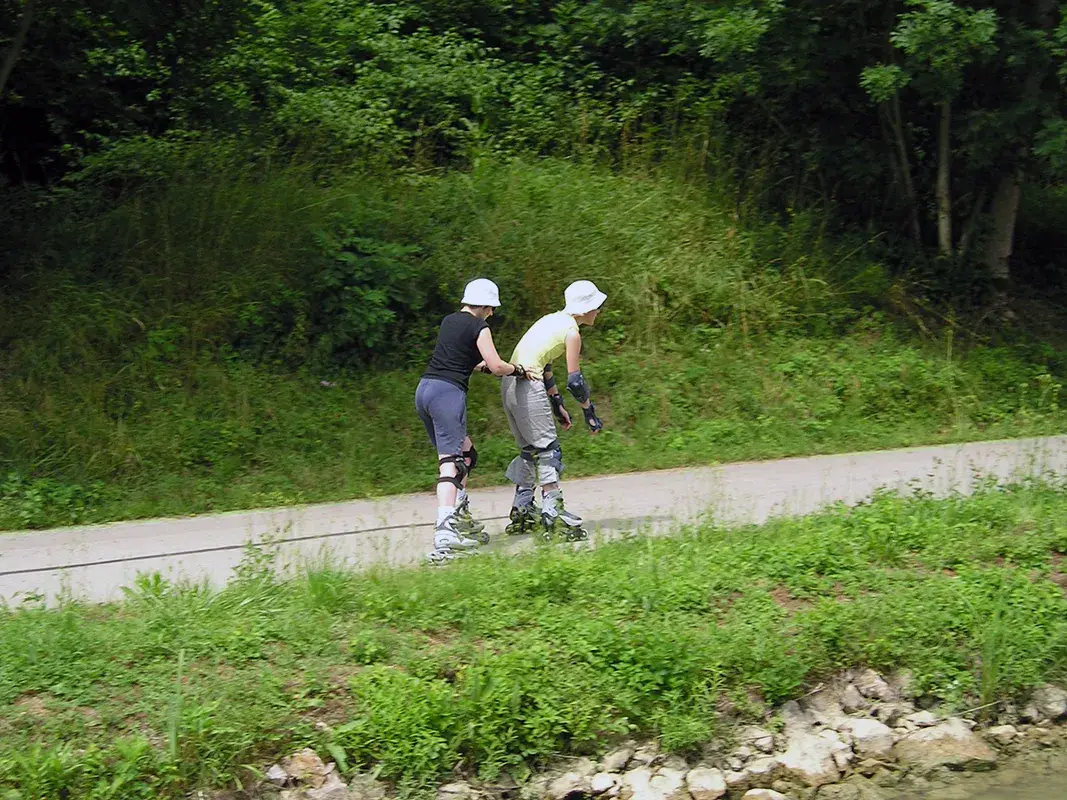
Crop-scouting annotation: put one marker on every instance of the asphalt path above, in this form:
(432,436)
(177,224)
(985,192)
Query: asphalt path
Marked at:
(95,562)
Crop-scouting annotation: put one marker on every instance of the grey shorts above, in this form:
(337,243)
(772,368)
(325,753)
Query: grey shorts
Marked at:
(529,412)
(442,407)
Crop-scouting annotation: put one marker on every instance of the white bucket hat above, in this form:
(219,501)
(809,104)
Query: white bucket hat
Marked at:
(582,297)
(481,292)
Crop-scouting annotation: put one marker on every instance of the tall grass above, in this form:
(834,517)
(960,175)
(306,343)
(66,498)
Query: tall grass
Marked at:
(164,352)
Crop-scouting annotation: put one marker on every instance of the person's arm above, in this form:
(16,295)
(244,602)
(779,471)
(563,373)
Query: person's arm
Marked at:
(492,361)
(556,399)
(576,384)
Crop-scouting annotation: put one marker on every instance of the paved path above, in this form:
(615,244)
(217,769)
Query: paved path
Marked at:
(94,562)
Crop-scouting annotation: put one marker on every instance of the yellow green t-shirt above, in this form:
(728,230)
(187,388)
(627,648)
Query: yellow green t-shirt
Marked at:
(545,341)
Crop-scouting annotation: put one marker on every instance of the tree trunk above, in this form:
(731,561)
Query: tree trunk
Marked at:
(1002,238)
(944,176)
(1005,210)
(897,124)
(16,45)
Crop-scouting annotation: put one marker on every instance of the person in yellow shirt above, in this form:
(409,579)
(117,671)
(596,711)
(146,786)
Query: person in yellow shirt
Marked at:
(530,406)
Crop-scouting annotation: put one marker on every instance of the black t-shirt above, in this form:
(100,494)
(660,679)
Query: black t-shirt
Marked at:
(456,354)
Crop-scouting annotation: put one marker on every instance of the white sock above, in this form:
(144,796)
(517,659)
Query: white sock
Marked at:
(444,512)
(461,496)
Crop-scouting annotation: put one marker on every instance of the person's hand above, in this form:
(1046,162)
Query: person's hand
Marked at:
(592,420)
(481,367)
(527,374)
(561,413)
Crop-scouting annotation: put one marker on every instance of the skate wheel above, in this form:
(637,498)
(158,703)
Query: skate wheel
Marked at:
(482,537)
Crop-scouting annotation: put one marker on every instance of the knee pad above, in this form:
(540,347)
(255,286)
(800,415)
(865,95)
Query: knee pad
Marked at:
(550,460)
(472,456)
(522,471)
(461,470)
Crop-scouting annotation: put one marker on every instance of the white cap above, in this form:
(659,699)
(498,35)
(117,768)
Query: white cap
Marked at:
(481,292)
(582,297)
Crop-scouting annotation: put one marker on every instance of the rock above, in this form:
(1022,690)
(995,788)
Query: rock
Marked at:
(843,759)
(951,744)
(850,698)
(760,739)
(307,768)
(794,717)
(616,760)
(869,790)
(1029,713)
(870,738)
(669,784)
(636,784)
(904,684)
(764,794)
(460,790)
(950,793)
(744,752)
(674,762)
(922,719)
(643,784)
(838,791)
(736,782)
(809,759)
(569,784)
(1009,715)
(332,788)
(869,767)
(892,713)
(763,772)
(705,784)
(822,707)
(605,783)
(277,775)
(870,684)
(644,756)
(1051,702)
(1003,734)
(364,787)
(735,763)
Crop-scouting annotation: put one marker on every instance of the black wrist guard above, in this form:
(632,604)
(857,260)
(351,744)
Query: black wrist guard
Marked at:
(591,419)
(557,405)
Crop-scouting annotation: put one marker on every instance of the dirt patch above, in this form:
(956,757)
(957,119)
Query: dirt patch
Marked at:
(1060,579)
(35,705)
(784,599)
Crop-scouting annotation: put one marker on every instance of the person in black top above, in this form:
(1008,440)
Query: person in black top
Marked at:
(464,343)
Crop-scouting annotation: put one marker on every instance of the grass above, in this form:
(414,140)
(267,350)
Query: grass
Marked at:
(502,664)
(249,437)
(163,353)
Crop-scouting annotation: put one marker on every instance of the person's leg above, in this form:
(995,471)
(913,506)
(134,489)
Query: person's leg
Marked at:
(539,428)
(446,407)
(521,471)
(427,403)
